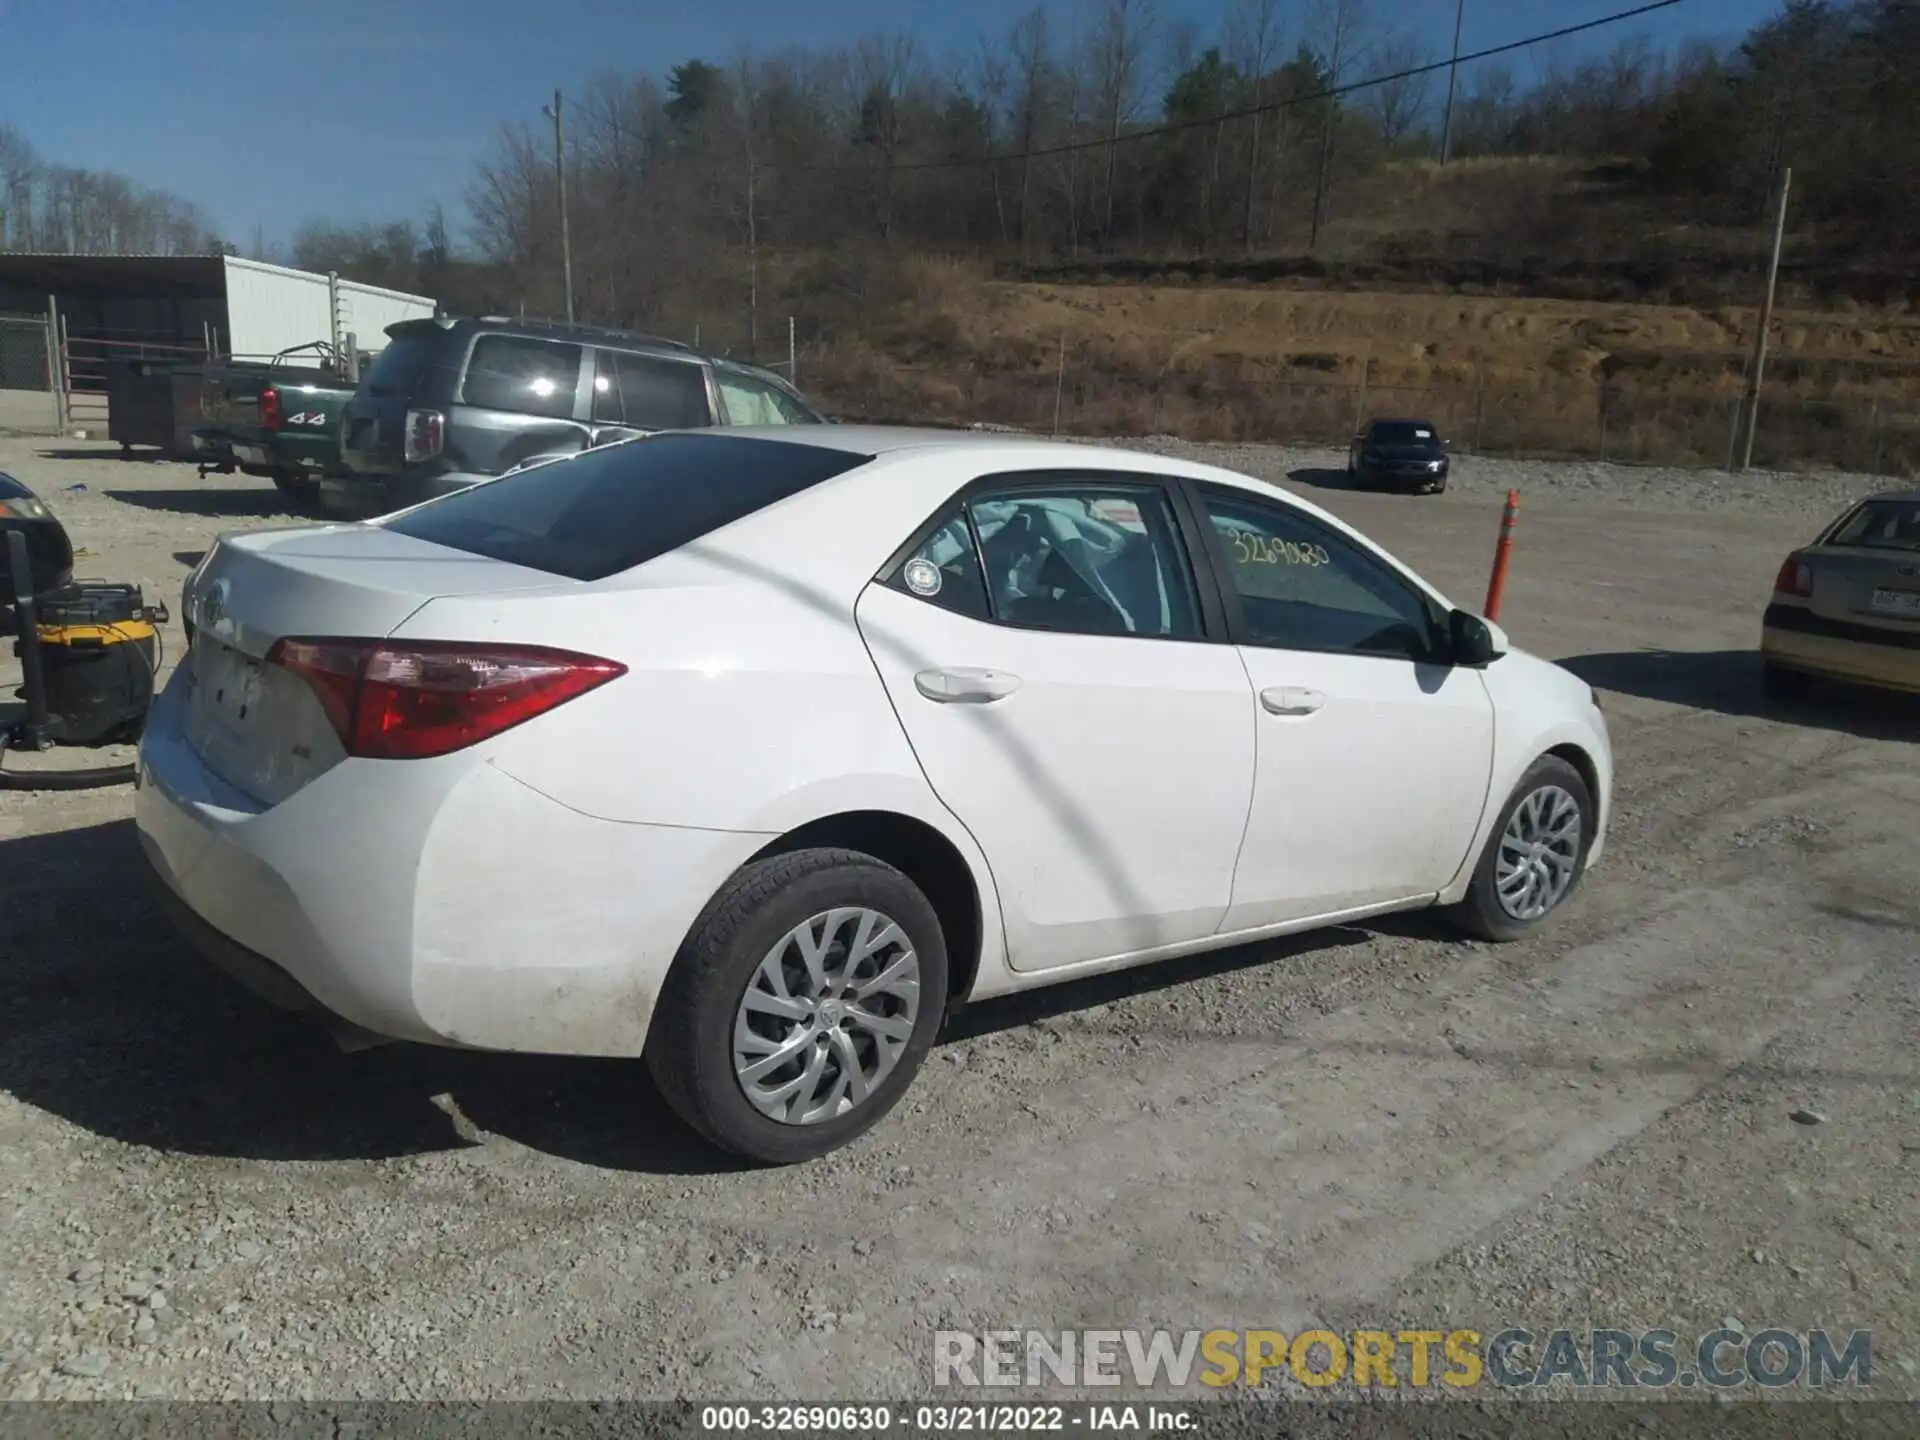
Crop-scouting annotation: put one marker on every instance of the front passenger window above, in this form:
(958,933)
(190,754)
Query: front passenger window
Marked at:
(1302,586)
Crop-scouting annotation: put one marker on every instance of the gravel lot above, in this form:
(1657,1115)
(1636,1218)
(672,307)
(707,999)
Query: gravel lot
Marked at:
(1374,1126)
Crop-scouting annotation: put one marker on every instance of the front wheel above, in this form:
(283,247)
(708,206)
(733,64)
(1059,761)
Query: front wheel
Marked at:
(801,1006)
(1534,857)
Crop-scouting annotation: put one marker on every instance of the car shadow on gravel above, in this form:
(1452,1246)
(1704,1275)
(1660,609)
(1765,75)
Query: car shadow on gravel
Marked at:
(1011,1012)
(111,1022)
(264,503)
(1323,479)
(130,457)
(1728,683)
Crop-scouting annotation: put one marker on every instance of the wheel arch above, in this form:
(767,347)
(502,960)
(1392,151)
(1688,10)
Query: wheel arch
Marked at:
(1577,756)
(925,856)
(1566,744)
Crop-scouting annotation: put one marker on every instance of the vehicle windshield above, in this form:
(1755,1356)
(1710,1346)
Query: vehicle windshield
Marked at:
(398,368)
(1881,525)
(613,508)
(1402,432)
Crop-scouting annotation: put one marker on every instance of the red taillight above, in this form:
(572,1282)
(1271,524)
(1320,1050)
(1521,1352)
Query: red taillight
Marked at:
(1795,578)
(393,700)
(270,409)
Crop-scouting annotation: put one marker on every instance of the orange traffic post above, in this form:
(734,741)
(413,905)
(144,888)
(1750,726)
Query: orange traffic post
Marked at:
(1503,553)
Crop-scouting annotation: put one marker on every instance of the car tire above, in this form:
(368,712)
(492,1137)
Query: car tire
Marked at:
(1483,913)
(694,1052)
(1783,685)
(301,494)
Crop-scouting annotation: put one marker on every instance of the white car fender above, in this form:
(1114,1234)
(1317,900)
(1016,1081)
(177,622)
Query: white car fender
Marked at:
(1528,724)
(911,797)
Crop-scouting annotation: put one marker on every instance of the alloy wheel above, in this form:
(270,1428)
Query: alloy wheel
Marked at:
(826,1016)
(1538,852)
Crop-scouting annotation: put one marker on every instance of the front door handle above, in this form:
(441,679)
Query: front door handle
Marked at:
(964,686)
(1291,700)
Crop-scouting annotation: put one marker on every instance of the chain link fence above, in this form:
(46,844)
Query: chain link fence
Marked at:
(29,401)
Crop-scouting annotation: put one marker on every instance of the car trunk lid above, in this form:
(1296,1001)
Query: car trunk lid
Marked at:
(1859,583)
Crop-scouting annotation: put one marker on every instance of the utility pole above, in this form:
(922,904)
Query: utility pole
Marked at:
(1766,321)
(1453,71)
(560,170)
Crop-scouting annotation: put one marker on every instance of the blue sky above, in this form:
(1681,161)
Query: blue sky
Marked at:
(268,114)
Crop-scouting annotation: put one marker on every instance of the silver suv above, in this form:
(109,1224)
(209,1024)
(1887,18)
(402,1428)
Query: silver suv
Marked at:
(453,401)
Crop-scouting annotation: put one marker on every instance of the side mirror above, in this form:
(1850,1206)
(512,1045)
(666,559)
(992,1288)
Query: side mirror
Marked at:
(1475,641)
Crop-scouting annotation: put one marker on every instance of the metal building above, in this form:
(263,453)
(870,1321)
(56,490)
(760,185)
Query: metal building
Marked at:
(84,312)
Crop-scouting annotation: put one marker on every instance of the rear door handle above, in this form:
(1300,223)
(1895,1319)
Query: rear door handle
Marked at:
(1291,700)
(965,686)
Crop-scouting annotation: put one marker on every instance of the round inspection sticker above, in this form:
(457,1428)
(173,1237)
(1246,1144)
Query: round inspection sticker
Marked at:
(922,577)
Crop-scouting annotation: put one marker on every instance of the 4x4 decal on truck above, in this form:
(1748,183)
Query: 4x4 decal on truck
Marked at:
(308,417)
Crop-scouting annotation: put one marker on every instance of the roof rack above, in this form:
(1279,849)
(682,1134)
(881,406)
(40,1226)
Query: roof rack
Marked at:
(566,327)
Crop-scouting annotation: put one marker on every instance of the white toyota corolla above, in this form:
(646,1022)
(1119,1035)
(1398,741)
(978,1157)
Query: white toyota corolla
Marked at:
(756,753)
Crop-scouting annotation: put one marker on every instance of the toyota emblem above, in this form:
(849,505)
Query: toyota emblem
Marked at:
(213,604)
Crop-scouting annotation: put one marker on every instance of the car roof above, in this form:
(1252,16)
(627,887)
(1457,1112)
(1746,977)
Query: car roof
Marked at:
(556,330)
(983,450)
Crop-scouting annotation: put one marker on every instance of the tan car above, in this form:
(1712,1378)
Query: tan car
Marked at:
(1847,607)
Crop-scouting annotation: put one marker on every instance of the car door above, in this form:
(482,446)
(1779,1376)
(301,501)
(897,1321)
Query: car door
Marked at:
(520,396)
(1075,704)
(609,413)
(1374,753)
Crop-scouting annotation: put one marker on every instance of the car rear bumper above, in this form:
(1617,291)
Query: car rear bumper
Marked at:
(425,900)
(1888,664)
(1415,480)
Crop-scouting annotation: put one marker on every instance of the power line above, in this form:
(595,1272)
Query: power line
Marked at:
(1176,127)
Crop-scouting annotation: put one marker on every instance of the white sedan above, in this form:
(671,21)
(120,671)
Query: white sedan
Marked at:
(757,753)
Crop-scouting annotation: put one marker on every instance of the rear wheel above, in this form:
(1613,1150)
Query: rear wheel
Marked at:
(1534,857)
(301,493)
(801,1006)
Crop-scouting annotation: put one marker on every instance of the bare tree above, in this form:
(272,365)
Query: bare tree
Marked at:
(992,79)
(1341,27)
(1119,46)
(747,120)
(1031,51)
(18,167)
(884,69)
(1253,45)
(1397,105)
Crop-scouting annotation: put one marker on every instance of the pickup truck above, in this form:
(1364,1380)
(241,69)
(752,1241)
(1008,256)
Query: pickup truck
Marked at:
(279,420)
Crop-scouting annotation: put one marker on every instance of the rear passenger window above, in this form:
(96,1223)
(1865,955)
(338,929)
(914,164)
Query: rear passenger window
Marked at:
(658,394)
(521,375)
(619,506)
(1087,559)
(946,571)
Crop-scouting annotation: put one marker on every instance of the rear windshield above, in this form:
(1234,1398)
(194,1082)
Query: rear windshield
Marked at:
(398,368)
(609,510)
(1403,432)
(1882,525)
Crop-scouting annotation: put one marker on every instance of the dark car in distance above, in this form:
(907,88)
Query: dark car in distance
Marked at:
(1399,455)
(451,402)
